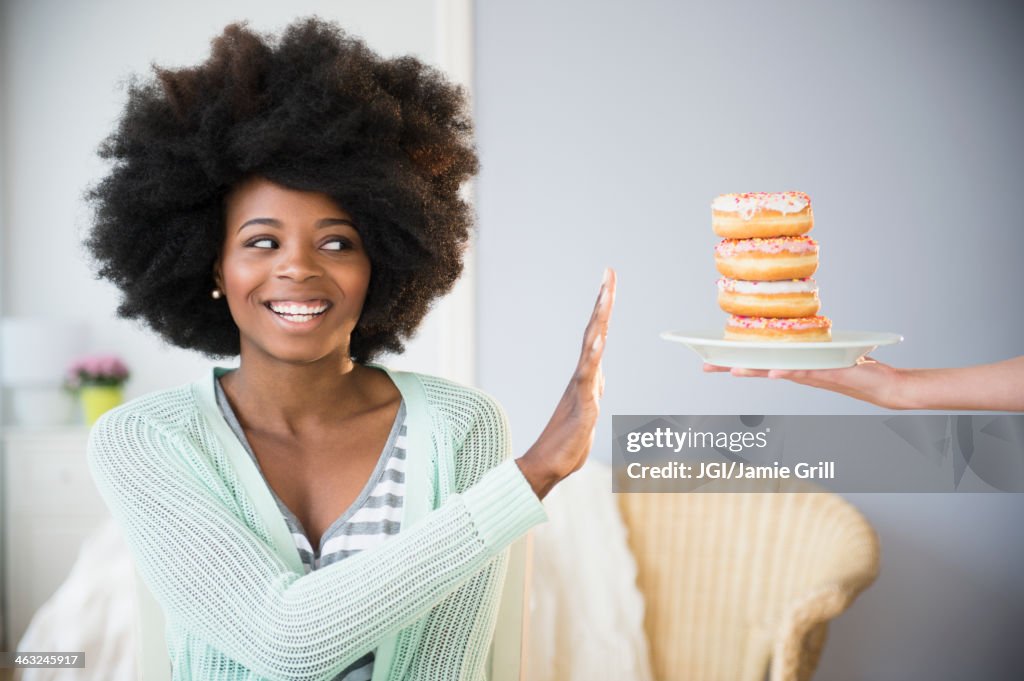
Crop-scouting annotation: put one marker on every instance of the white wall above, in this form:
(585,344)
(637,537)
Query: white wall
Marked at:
(605,130)
(64,63)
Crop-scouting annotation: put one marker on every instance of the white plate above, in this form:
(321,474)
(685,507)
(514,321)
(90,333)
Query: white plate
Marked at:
(845,348)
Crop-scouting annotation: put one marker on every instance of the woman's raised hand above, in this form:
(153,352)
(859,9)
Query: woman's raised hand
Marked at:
(565,443)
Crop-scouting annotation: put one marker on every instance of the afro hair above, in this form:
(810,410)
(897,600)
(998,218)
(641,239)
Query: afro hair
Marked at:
(389,140)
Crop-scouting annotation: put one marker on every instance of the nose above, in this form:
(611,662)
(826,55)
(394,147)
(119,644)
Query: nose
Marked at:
(297,262)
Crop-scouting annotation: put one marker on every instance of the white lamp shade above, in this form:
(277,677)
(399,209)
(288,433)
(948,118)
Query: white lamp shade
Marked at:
(37,351)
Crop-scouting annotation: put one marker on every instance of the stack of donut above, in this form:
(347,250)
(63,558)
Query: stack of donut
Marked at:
(767,259)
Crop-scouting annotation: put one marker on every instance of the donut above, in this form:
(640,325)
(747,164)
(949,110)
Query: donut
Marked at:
(774,259)
(788,298)
(798,329)
(761,214)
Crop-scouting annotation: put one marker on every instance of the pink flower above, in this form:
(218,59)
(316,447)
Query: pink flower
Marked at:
(96,370)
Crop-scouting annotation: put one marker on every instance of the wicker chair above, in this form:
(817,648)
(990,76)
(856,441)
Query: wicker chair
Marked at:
(735,582)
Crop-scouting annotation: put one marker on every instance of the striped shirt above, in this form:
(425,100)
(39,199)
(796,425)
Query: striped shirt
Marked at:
(374,516)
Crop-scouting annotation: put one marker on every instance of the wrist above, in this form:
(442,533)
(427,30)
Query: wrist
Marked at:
(906,392)
(540,477)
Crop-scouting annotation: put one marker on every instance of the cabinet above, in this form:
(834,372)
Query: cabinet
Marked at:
(48,506)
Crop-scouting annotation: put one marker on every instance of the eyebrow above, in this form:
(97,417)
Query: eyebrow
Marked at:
(274,222)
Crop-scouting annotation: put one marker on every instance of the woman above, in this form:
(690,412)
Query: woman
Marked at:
(311,515)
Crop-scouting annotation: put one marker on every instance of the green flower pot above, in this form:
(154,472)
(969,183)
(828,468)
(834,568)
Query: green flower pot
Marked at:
(97,399)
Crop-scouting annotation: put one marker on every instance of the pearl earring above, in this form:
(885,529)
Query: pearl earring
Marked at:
(216,294)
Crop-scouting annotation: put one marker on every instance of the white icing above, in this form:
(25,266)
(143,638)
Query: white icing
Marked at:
(806,285)
(748,204)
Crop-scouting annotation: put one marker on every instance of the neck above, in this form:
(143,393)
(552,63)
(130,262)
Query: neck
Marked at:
(292,398)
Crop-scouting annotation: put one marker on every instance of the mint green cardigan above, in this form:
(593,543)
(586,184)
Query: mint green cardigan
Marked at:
(220,574)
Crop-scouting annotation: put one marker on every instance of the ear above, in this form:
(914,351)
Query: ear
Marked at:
(217,276)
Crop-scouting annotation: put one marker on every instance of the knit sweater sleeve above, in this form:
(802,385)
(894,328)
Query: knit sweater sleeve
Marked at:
(215,578)
(459,631)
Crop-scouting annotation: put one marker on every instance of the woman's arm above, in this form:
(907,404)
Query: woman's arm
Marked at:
(998,386)
(213,576)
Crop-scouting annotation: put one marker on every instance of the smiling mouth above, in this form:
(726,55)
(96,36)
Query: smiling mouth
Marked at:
(298,317)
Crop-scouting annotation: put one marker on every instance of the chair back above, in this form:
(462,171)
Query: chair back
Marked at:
(723,574)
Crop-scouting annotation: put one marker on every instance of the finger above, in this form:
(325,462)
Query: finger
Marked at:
(597,328)
(749,373)
(613,283)
(599,318)
(714,368)
(590,359)
(586,366)
(599,301)
(587,373)
(598,388)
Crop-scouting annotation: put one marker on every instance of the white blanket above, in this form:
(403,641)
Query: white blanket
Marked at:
(586,613)
(92,611)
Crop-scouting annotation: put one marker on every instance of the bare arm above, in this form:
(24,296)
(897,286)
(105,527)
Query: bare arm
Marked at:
(998,386)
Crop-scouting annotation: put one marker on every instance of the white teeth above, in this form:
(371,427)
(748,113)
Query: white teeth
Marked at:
(297,309)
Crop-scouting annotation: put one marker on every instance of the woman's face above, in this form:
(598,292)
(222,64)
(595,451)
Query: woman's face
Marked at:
(287,255)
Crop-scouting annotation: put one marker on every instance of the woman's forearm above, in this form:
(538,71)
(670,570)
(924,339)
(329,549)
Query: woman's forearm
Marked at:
(997,387)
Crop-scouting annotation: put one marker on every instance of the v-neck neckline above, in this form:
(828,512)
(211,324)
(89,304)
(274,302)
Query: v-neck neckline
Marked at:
(383,458)
(419,484)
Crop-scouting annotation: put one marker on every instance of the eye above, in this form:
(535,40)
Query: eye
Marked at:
(342,244)
(334,244)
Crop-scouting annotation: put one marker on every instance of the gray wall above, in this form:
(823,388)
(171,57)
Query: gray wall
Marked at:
(605,130)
